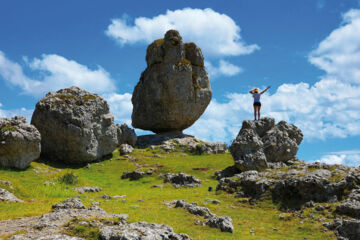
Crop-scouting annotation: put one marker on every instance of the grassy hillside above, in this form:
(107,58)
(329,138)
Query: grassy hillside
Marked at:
(259,221)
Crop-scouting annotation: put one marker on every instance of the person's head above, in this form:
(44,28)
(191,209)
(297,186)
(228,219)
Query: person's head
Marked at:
(256,90)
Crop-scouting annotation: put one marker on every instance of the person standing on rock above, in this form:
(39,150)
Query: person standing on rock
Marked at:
(257,104)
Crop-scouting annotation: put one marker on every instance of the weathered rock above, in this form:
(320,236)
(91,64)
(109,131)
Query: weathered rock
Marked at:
(70,203)
(126,135)
(19,143)
(174,142)
(348,229)
(181,180)
(223,223)
(351,206)
(8,196)
(76,126)
(134,175)
(261,144)
(87,189)
(174,90)
(141,231)
(125,149)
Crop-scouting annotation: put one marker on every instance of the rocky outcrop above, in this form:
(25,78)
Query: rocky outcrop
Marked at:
(125,149)
(174,90)
(181,180)
(351,206)
(87,189)
(19,143)
(141,230)
(180,142)
(72,213)
(126,135)
(261,144)
(8,196)
(76,126)
(134,175)
(223,223)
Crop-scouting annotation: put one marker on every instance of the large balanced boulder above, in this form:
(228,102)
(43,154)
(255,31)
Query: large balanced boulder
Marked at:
(174,90)
(76,126)
(261,144)
(19,143)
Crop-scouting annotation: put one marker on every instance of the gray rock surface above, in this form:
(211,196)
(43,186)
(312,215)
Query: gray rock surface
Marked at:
(87,189)
(351,205)
(141,231)
(76,126)
(19,143)
(261,144)
(183,142)
(181,180)
(134,175)
(174,90)
(125,149)
(346,229)
(8,196)
(223,223)
(126,135)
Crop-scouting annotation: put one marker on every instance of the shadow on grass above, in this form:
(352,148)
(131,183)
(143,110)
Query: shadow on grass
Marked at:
(62,165)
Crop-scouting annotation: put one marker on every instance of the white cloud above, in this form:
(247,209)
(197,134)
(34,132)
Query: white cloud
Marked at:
(120,106)
(329,108)
(54,72)
(225,68)
(27,113)
(349,158)
(216,34)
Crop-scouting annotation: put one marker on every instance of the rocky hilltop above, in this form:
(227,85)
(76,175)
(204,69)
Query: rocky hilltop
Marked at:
(174,90)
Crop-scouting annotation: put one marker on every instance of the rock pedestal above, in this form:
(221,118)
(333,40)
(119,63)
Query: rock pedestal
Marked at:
(19,143)
(174,90)
(76,126)
(261,144)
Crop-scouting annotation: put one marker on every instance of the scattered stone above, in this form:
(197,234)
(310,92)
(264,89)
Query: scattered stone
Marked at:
(261,142)
(157,186)
(126,135)
(319,208)
(48,183)
(70,203)
(197,222)
(215,201)
(106,196)
(88,165)
(7,183)
(19,143)
(76,126)
(125,149)
(8,196)
(181,180)
(141,230)
(87,189)
(309,204)
(118,196)
(223,223)
(174,90)
(134,175)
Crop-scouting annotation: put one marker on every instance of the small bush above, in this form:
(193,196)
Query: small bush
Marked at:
(69,179)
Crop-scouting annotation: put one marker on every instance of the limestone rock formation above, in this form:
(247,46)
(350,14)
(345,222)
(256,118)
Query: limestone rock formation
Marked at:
(8,196)
(19,143)
(181,180)
(76,126)
(174,90)
(261,144)
(126,135)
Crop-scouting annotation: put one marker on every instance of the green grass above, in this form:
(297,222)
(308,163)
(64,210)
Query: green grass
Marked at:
(261,218)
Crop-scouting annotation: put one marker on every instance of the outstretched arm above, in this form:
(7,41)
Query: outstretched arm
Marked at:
(265,89)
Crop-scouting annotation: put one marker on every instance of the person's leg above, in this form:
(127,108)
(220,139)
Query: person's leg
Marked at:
(259,107)
(255,112)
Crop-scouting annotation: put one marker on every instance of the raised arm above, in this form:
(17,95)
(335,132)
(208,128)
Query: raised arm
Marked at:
(265,89)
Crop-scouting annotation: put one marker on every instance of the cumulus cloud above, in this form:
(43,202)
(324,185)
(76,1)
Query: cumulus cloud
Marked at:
(224,68)
(349,158)
(5,113)
(120,106)
(216,34)
(328,108)
(53,72)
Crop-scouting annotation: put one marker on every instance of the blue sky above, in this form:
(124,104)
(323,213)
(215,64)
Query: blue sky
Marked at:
(308,51)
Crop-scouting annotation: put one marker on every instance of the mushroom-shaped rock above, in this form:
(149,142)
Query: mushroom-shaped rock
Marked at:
(19,143)
(76,126)
(262,142)
(174,90)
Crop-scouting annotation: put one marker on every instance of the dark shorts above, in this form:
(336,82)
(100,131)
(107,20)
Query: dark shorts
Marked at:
(258,104)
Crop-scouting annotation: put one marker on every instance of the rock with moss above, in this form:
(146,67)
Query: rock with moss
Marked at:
(19,143)
(76,126)
(174,90)
(7,196)
(262,144)
(126,135)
